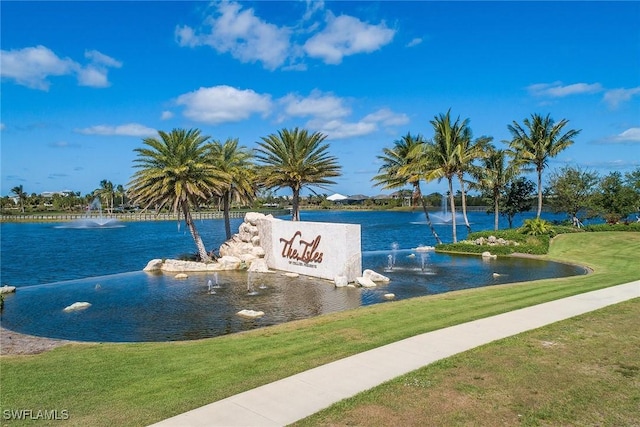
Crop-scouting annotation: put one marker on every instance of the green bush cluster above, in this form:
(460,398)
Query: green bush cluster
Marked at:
(632,226)
(536,245)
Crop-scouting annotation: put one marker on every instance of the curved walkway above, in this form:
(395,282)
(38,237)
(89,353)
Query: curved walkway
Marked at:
(298,396)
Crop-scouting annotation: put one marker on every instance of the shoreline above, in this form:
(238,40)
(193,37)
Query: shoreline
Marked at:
(18,344)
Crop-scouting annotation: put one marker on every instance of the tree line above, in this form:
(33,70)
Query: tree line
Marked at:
(182,169)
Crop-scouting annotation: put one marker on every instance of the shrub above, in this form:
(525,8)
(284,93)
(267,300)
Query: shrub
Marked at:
(633,226)
(536,227)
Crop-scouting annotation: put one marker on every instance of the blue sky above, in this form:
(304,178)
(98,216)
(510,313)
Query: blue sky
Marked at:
(84,82)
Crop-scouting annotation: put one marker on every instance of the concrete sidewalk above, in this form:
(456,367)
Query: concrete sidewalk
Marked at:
(296,397)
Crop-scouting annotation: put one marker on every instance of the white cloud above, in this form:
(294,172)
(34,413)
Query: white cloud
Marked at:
(338,129)
(558,90)
(414,42)
(32,66)
(317,104)
(129,129)
(221,104)
(387,117)
(238,31)
(346,35)
(166,115)
(98,58)
(631,135)
(242,34)
(615,97)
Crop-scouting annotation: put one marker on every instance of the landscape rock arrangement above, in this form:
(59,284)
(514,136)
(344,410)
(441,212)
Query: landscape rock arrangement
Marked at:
(244,252)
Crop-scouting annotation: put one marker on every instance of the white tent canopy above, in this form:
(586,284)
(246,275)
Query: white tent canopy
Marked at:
(336,197)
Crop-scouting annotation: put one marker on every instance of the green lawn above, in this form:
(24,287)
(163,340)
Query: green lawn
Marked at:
(137,384)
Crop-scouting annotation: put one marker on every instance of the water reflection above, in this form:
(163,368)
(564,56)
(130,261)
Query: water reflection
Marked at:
(155,307)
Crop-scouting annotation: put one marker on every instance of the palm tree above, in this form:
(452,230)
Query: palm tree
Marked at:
(469,152)
(175,171)
(22,196)
(539,140)
(494,175)
(446,152)
(107,191)
(235,162)
(120,191)
(399,168)
(296,159)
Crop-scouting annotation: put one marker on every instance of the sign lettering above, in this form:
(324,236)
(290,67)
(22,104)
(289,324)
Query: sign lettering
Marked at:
(301,250)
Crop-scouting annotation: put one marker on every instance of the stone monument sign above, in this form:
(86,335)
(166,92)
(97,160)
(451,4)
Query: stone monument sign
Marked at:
(317,249)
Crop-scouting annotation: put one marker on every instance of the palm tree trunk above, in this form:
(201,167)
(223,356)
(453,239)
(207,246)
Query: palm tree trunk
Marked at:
(295,204)
(452,203)
(539,193)
(227,222)
(496,209)
(464,205)
(204,257)
(426,212)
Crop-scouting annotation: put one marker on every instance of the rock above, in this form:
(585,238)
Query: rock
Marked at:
(492,240)
(496,275)
(411,256)
(6,289)
(250,314)
(422,248)
(487,255)
(255,240)
(247,258)
(340,281)
(374,277)
(181,276)
(365,282)
(153,265)
(389,296)
(77,306)
(293,275)
(259,266)
(253,217)
(229,262)
(258,252)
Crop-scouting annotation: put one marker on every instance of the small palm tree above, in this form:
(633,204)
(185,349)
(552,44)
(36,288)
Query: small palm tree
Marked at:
(400,167)
(296,159)
(121,192)
(22,196)
(494,175)
(107,191)
(446,152)
(175,171)
(539,140)
(236,162)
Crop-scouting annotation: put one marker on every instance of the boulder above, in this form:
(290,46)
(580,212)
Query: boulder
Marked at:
(250,314)
(255,240)
(153,265)
(253,217)
(488,255)
(374,277)
(77,306)
(6,289)
(340,281)
(229,262)
(292,275)
(365,282)
(389,296)
(181,276)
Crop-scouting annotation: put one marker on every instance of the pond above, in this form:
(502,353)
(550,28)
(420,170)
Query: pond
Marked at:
(54,266)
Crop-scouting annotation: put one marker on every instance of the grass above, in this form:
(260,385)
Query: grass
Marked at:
(137,384)
(582,371)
